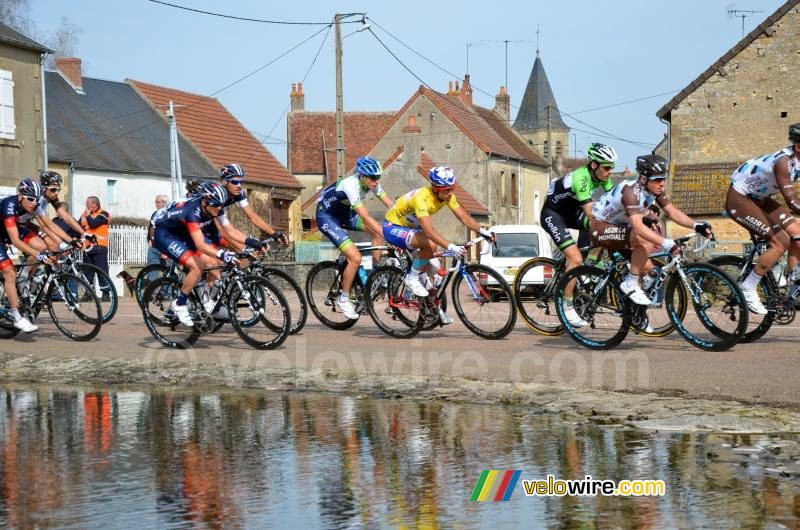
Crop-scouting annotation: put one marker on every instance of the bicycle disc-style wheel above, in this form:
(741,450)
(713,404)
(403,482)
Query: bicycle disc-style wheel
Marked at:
(159,318)
(392,306)
(757,325)
(534,292)
(600,304)
(719,315)
(108,308)
(487,309)
(322,289)
(259,313)
(74,307)
(146,276)
(294,296)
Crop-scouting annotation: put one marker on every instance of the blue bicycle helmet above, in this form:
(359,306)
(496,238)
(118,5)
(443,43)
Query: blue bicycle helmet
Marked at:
(213,193)
(369,167)
(30,188)
(442,177)
(230,171)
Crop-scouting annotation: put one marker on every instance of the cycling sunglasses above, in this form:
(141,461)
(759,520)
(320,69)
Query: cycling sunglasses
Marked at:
(236,182)
(30,199)
(438,189)
(53,189)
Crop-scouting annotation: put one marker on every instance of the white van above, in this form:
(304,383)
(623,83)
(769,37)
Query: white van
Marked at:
(516,244)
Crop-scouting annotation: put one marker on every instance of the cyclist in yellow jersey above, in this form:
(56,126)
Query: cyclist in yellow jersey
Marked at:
(408,225)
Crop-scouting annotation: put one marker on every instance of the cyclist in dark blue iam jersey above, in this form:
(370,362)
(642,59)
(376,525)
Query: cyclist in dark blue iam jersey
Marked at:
(187,232)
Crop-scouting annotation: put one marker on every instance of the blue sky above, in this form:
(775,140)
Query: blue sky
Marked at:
(595,54)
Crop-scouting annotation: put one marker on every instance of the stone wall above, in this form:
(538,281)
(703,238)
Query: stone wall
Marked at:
(744,109)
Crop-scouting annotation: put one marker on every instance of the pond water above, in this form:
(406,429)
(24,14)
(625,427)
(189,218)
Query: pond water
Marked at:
(77,458)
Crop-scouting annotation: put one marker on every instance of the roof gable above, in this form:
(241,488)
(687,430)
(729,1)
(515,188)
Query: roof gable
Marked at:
(12,37)
(465,198)
(110,127)
(730,54)
(218,135)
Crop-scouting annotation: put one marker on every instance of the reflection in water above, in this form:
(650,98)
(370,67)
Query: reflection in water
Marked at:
(70,457)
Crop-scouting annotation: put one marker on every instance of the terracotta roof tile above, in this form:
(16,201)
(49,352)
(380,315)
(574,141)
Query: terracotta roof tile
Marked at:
(306,131)
(218,135)
(509,135)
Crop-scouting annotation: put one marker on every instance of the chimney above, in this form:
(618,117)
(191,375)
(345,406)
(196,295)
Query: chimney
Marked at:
(466,91)
(457,91)
(297,98)
(502,104)
(450,91)
(71,68)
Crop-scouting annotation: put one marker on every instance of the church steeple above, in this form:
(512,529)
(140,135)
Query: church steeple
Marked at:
(538,95)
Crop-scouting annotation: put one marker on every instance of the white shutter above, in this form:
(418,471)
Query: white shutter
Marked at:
(7,126)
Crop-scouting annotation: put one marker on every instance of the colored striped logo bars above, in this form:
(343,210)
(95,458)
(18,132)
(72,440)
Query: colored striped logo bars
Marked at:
(495,485)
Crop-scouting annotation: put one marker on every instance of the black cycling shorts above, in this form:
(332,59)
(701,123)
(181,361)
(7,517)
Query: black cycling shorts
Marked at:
(558,225)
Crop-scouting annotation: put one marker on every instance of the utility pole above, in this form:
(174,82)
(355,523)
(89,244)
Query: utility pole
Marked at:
(575,145)
(339,102)
(176,178)
(549,146)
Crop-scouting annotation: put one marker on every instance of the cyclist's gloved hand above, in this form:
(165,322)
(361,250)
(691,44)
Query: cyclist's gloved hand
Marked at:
(456,249)
(91,238)
(43,257)
(63,246)
(227,256)
(253,243)
(279,236)
(76,243)
(487,235)
(649,221)
(704,229)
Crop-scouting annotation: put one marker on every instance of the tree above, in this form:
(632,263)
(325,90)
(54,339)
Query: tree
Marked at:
(63,40)
(14,13)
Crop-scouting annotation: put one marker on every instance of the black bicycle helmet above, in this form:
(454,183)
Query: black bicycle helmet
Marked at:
(794,133)
(652,166)
(193,187)
(50,178)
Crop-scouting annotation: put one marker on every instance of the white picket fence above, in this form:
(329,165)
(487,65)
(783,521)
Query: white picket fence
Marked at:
(127,245)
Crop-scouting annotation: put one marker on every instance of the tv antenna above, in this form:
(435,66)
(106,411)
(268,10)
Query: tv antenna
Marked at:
(741,13)
(469,45)
(506,41)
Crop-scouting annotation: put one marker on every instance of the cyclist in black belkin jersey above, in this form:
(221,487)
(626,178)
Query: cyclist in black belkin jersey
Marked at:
(569,205)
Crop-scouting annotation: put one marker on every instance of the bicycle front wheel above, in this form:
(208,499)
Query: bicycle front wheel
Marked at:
(719,316)
(757,325)
(145,277)
(259,313)
(74,307)
(534,292)
(392,306)
(484,301)
(322,288)
(660,323)
(108,307)
(159,317)
(597,300)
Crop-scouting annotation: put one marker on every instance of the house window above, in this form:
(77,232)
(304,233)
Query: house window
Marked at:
(8,129)
(558,150)
(514,195)
(545,150)
(280,214)
(111,191)
(503,191)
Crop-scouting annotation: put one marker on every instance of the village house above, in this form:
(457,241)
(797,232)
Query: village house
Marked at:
(22,112)
(738,108)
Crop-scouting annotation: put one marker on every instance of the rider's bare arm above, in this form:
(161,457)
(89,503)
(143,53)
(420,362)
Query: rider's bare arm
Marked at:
(256,219)
(52,229)
(785,184)
(369,223)
(466,219)
(64,214)
(587,209)
(642,230)
(427,228)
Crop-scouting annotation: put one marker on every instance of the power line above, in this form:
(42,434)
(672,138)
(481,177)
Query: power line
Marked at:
(160,118)
(247,19)
(627,102)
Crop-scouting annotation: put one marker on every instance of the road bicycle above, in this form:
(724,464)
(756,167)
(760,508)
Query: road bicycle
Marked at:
(71,301)
(258,266)
(534,290)
(482,299)
(717,322)
(323,284)
(256,308)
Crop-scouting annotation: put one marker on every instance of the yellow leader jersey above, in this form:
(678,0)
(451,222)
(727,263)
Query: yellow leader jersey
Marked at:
(417,203)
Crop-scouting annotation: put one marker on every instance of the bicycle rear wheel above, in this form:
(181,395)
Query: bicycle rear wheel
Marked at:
(484,301)
(7,329)
(294,296)
(74,307)
(757,325)
(259,313)
(159,317)
(322,289)
(534,292)
(597,299)
(146,276)
(393,308)
(719,316)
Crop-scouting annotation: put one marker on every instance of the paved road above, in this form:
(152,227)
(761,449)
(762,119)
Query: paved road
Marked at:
(765,372)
